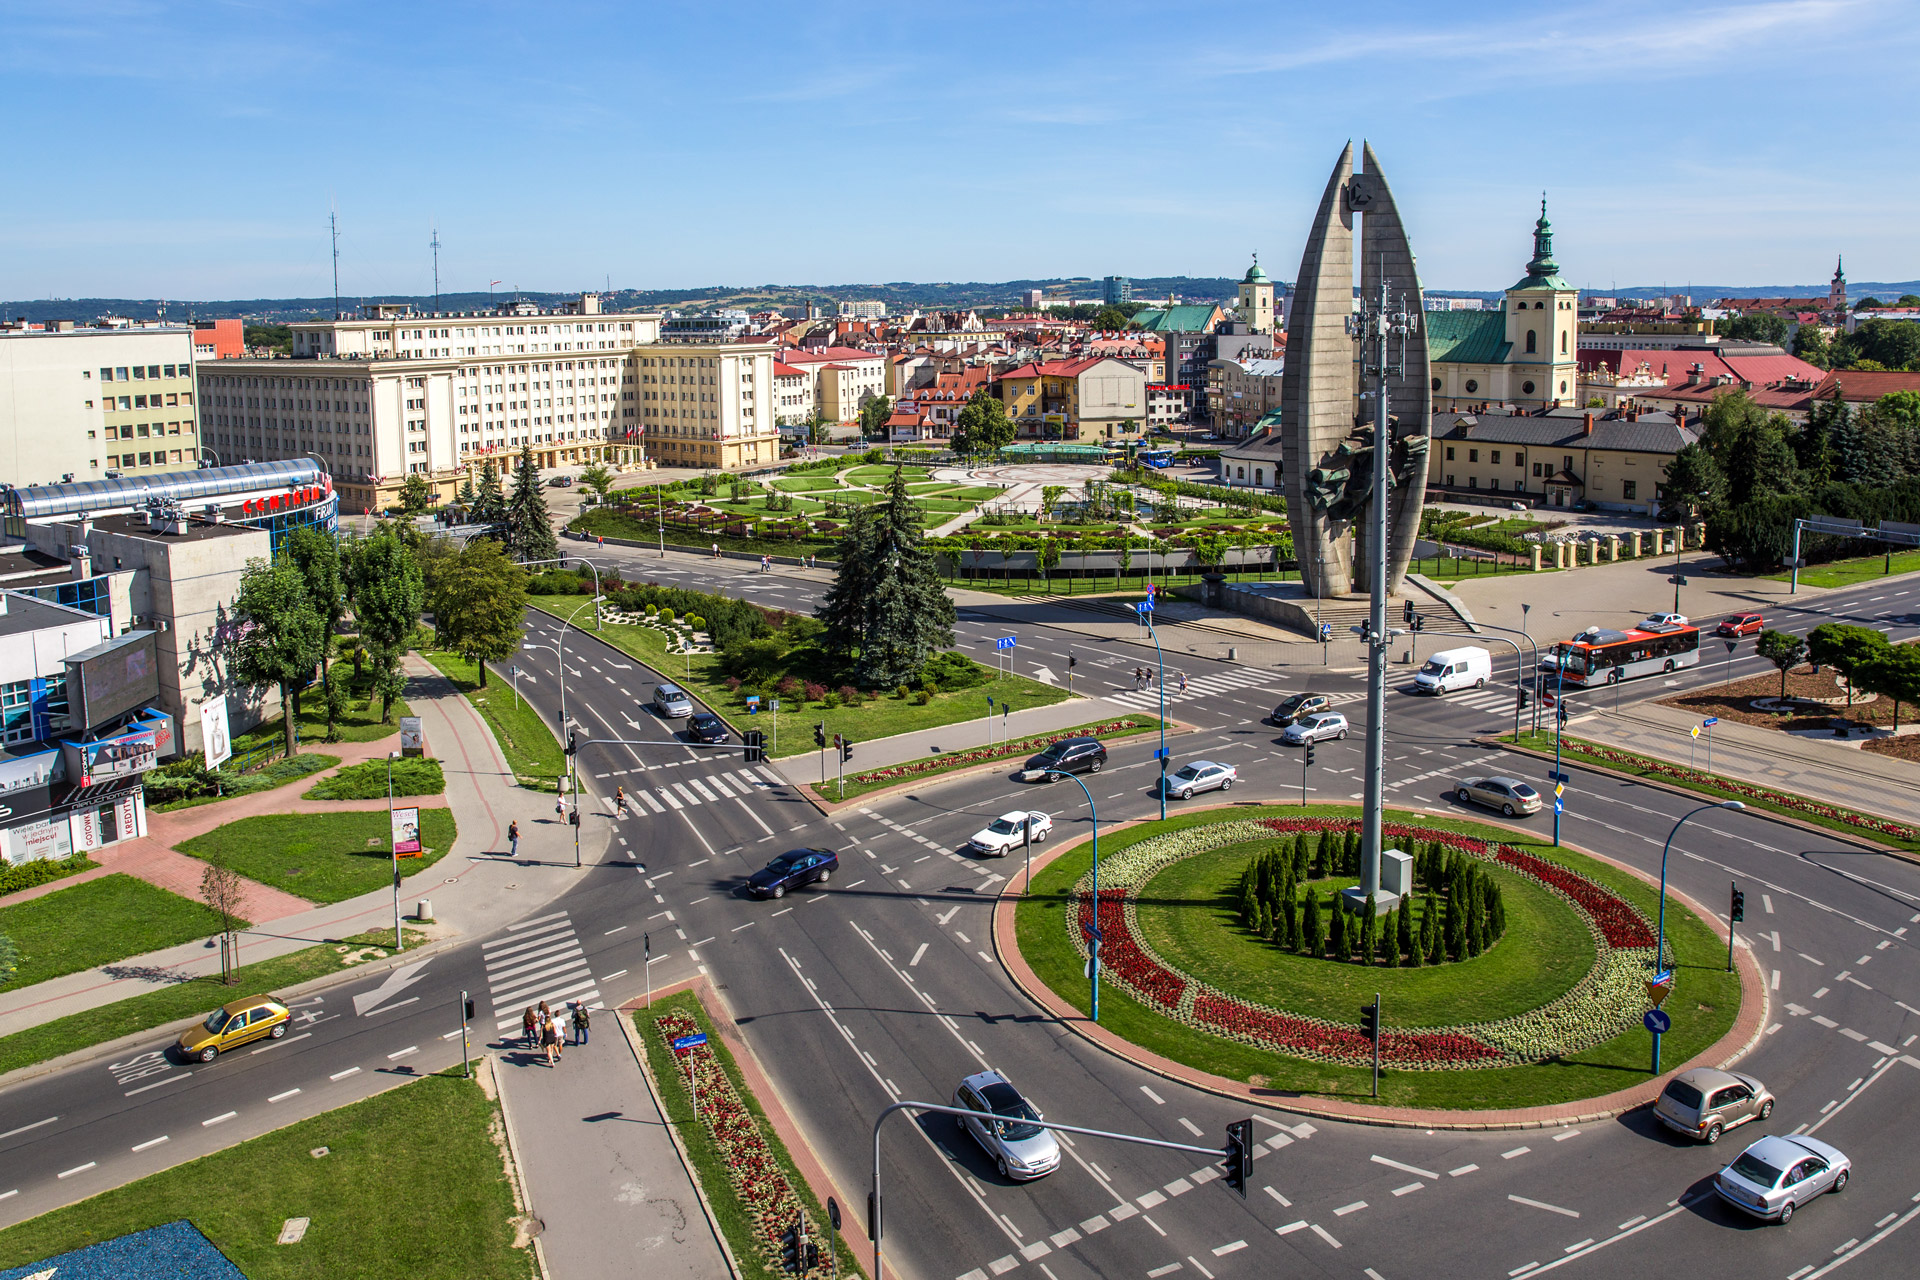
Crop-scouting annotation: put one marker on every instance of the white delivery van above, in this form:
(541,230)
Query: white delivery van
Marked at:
(1454,669)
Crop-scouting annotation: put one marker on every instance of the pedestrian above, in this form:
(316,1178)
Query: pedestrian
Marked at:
(603,539)
(580,1022)
(559,1039)
(1183,682)
(716,551)
(527,1028)
(550,1038)
(620,800)
(513,839)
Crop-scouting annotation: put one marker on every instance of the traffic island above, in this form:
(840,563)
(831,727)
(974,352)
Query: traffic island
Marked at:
(1536,1025)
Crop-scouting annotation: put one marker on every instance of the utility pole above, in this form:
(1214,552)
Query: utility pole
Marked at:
(333,226)
(435,243)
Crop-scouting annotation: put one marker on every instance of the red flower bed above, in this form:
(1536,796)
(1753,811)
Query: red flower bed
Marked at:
(1313,1038)
(1122,956)
(1005,750)
(1620,924)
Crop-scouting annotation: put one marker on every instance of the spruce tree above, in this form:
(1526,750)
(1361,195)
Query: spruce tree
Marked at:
(489,505)
(1369,932)
(905,611)
(467,494)
(1312,926)
(1337,931)
(1456,930)
(1410,937)
(1290,921)
(1351,866)
(843,609)
(1403,926)
(1301,857)
(529,532)
(1430,930)
(1322,855)
(1499,913)
(1390,935)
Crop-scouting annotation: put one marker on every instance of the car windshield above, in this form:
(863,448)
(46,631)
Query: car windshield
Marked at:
(1683,1093)
(788,861)
(1049,757)
(217,1019)
(1186,773)
(1294,703)
(1003,826)
(1005,1100)
(1754,1169)
(1433,668)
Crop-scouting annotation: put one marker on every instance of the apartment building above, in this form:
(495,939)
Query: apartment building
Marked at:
(794,399)
(1094,398)
(1241,392)
(709,405)
(89,402)
(844,377)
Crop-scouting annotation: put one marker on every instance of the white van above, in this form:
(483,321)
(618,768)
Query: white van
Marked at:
(1454,669)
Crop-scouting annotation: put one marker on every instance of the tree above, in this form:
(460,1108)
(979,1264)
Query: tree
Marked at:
(1050,495)
(1111,319)
(1691,480)
(817,424)
(910,616)
(529,533)
(843,610)
(1908,300)
(983,425)
(1403,931)
(467,494)
(1049,557)
(1893,673)
(316,554)
(1337,931)
(388,594)
(225,894)
(489,507)
(598,479)
(1784,650)
(415,496)
(1847,649)
(479,601)
(1758,326)
(279,636)
(1369,929)
(873,417)
(1810,344)
(1312,929)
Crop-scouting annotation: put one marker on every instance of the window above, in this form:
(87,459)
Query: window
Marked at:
(1436,384)
(1527,387)
(120,374)
(1494,457)
(1449,457)
(1472,386)
(1630,489)
(1563,351)
(1533,342)
(1536,469)
(1567,462)
(1519,486)
(1473,482)
(1519,458)
(1473,455)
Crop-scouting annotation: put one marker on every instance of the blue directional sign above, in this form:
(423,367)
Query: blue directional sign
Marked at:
(1658,1022)
(1161,753)
(1092,931)
(1145,606)
(1559,806)
(1004,643)
(1558,776)
(691,1042)
(1709,722)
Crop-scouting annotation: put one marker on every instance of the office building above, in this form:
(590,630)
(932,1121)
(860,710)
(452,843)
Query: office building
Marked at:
(1116,290)
(89,402)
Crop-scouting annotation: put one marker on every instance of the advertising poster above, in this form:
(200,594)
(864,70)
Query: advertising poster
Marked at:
(406,833)
(48,838)
(120,757)
(216,740)
(413,739)
(20,772)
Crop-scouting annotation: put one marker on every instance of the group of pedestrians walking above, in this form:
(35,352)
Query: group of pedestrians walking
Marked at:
(1143,678)
(540,1028)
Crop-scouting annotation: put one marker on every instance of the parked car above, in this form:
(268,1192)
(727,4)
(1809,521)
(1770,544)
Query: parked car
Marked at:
(1450,669)
(1740,624)
(671,700)
(560,482)
(1775,1176)
(1315,728)
(1509,795)
(1298,705)
(1656,621)
(1070,755)
(234,1023)
(1704,1102)
(1009,831)
(1200,775)
(793,870)
(1020,1149)
(706,727)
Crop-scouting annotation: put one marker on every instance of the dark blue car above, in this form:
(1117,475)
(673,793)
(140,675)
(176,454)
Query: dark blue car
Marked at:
(793,870)
(706,727)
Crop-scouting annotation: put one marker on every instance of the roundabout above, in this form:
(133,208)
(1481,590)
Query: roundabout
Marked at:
(1543,1008)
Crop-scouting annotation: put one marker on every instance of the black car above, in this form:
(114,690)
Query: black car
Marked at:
(706,727)
(1298,705)
(1069,755)
(793,870)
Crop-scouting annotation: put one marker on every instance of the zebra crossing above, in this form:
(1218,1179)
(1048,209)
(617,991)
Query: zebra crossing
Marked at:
(987,877)
(701,790)
(1495,699)
(535,960)
(1197,687)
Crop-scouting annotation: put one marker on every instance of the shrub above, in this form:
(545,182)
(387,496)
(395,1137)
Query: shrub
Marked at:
(652,610)
(922,698)
(666,617)
(901,692)
(697,622)
(830,701)
(733,684)
(816,692)
(788,687)
(929,688)
(849,695)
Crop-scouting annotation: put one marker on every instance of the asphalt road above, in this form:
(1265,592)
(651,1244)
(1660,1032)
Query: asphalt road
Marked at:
(881,987)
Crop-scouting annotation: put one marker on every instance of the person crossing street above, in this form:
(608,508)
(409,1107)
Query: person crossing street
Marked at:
(513,839)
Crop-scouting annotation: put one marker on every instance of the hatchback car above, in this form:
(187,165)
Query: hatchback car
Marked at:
(1315,728)
(793,870)
(560,482)
(706,727)
(1509,795)
(1298,705)
(1703,1103)
(1009,831)
(671,700)
(235,1023)
(1655,621)
(1740,624)
(1200,775)
(1069,755)
(1775,1176)
(1020,1149)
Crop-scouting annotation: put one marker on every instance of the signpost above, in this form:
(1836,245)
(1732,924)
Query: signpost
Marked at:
(1708,724)
(1658,1022)
(693,1041)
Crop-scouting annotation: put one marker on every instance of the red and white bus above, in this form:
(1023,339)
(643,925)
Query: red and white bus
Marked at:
(1597,656)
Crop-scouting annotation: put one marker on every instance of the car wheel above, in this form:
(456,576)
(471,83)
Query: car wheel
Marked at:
(1481,683)
(1001,1163)
(278,1031)
(825,876)
(1186,793)
(1713,1133)
(1040,837)
(1786,1213)
(1840,1181)
(208,1054)
(1507,809)
(1227,785)
(1341,735)
(1766,1108)
(779,891)
(1463,796)
(1097,766)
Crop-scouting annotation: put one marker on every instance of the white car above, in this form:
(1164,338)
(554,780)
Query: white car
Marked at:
(1009,831)
(1315,728)
(1201,775)
(1655,621)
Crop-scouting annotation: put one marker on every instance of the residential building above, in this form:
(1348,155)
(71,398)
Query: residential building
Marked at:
(1557,457)
(1665,378)
(1856,318)
(1242,392)
(929,411)
(88,402)
(1197,335)
(1088,399)
(1524,354)
(794,400)
(709,405)
(1116,290)
(219,339)
(845,378)
(872,309)
(1168,403)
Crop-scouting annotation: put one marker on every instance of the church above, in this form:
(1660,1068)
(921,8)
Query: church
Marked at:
(1522,355)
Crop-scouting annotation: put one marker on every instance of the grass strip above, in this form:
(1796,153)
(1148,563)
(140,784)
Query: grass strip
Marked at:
(1849,573)
(1704,1005)
(928,768)
(360,722)
(704,1154)
(532,752)
(97,922)
(413,776)
(278,774)
(322,857)
(1786,804)
(189,998)
(413,1184)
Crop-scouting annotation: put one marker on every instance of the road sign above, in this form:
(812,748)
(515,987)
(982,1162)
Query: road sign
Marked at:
(1151,589)
(1326,632)
(1694,732)
(1559,806)
(1709,722)
(773,704)
(1161,753)
(691,1042)
(1731,645)
(1559,789)
(753,704)
(1546,697)
(1004,643)
(1658,1022)
(1557,776)
(1145,606)
(1659,987)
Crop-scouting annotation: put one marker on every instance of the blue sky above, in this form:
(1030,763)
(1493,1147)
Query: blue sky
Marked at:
(193,150)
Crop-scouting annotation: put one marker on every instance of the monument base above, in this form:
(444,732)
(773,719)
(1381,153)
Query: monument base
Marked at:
(1356,902)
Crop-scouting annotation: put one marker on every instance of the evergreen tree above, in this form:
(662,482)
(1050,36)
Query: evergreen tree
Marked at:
(1248,901)
(843,610)
(1302,857)
(1337,930)
(466,493)
(1390,935)
(1405,933)
(1312,926)
(1323,855)
(1262,919)
(1369,931)
(489,506)
(1351,865)
(1456,929)
(1499,913)
(1290,922)
(529,532)
(1430,929)
(888,609)
(1476,936)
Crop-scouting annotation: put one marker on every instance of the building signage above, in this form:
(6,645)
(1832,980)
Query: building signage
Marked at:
(103,824)
(47,838)
(216,737)
(20,772)
(120,757)
(406,832)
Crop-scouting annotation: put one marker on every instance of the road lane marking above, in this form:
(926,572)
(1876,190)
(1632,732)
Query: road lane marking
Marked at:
(1346,1209)
(1322,1233)
(916,955)
(1462,1170)
(1408,1189)
(1158,1100)
(1191,1127)
(1404,1168)
(1517,1151)
(412,1048)
(25,1127)
(342,1075)
(158,1083)
(1541,1204)
(91,1164)
(282,1097)
(207,1124)
(151,1143)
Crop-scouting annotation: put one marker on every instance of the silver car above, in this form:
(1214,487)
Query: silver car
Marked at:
(1020,1149)
(1315,728)
(1704,1102)
(1201,775)
(1774,1176)
(671,700)
(1509,795)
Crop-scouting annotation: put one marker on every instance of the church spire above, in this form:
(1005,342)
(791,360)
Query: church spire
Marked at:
(1543,263)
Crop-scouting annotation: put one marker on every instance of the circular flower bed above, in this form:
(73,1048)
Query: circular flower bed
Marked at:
(1606,1002)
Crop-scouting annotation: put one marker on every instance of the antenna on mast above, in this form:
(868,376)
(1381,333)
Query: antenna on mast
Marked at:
(435,242)
(333,226)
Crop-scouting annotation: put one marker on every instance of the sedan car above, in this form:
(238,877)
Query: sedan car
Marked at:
(1298,705)
(1775,1176)
(235,1023)
(1703,1103)
(1740,624)
(560,482)
(706,727)
(1020,1149)
(1655,621)
(1200,775)
(1009,831)
(1509,795)
(1315,728)
(1069,755)
(671,701)
(792,870)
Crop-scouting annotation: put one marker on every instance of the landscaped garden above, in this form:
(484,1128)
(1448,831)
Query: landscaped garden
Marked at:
(532,752)
(68,930)
(322,857)
(1513,976)
(410,776)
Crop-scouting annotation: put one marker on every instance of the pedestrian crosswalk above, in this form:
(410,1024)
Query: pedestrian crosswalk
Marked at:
(1494,699)
(987,877)
(706,789)
(535,960)
(1234,681)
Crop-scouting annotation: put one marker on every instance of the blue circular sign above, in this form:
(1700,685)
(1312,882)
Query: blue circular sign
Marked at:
(1658,1021)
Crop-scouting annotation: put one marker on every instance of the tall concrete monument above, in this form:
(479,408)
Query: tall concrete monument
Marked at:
(1326,429)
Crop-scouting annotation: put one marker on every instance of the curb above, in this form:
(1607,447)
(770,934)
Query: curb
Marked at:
(1745,1032)
(519,1176)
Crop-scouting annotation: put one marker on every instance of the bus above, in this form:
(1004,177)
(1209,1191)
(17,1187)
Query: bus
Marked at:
(1161,458)
(1597,656)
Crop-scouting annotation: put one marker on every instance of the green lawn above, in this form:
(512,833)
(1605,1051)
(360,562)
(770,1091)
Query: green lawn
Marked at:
(1847,573)
(638,527)
(531,750)
(918,772)
(189,999)
(96,923)
(1190,913)
(411,776)
(413,1184)
(705,1155)
(875,718)
(322,857)
(805,484)
(360,723)
(1703,1007)
(881,476)
(266,778)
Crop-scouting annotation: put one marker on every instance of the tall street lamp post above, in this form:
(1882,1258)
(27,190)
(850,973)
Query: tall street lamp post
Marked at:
(1660,936)
(1093,943)
(399,943)
(1144,611)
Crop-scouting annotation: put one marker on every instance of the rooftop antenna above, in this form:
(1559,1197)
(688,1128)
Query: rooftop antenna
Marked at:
(333,226)
(435,243)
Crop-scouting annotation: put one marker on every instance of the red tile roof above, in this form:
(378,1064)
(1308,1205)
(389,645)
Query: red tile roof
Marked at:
(1858,385)
(1675,364)
(787,371)
(1055,368)
(827,354)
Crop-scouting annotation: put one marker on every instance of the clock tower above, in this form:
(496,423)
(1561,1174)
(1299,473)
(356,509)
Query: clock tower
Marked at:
(1542,328)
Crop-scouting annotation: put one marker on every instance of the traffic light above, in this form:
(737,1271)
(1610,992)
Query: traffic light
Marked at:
(1526,699)
(469,1009)
(755,752)
(1239,1162)
(1419,621)
(1309,753)
(820,734)
(1370,1021)
(1409,610)
(573,742)
(1072,661)
(1739,911)
(573,817)
(846,750)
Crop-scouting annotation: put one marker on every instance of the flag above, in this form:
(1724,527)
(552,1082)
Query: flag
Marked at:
(492,283)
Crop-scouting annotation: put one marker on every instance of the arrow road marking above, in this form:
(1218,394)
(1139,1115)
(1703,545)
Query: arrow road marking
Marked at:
(397,981)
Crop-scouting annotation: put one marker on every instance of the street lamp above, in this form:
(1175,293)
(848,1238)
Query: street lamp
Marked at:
(1660,936)
(216,455)
(1093,945)
(1144,612)
(399,943)
(559,651)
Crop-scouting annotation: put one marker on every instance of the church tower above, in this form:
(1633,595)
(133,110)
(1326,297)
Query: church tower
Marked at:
(1542,328)
(1256,298)
(1837,291)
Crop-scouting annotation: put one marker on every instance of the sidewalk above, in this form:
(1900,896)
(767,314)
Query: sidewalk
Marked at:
(602,1174)
(962,735)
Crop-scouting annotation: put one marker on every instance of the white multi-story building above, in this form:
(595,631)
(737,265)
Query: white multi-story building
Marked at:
(844,378)
(88,403)
(794,395)
(866,309)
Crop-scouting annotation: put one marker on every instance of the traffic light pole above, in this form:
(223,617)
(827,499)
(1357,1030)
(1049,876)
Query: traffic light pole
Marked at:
(1376,1044)
(1736,912)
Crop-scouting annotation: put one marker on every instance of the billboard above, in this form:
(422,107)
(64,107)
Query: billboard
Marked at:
(32,841)
(20,772)
(121,757)
(406,832)
(216,739)
(114,678)
(413,738)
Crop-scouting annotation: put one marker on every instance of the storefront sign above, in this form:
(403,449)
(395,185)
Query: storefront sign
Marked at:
(121,757)
(47,838)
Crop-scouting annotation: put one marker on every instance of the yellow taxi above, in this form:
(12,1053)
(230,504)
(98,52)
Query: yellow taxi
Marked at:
(235,1023)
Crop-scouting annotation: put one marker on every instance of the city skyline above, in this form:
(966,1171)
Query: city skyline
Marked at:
(196,152)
